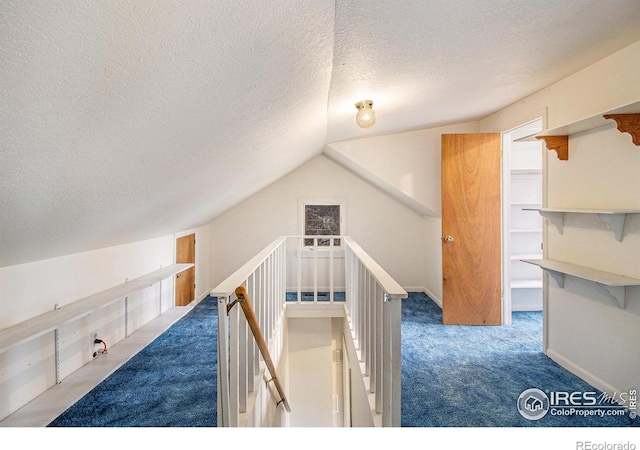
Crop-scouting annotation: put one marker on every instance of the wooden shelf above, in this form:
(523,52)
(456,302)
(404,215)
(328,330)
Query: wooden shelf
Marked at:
(614,284)
(614,218)
(53,320)
(627,119)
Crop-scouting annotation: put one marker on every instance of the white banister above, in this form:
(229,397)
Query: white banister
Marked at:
(324,265)
(238,358)
(374,305)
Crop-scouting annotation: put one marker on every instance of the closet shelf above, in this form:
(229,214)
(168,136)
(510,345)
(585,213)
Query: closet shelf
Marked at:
(526,230)
(532,205)
(627,119)
(614,284)
(53,320)
(526,284)
(524,172)
(614,218)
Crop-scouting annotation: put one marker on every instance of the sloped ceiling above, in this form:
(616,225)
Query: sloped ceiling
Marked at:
(123,120)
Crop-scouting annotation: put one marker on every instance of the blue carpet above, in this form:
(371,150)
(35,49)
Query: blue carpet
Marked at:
(171,383)
(452,376)
(467,376)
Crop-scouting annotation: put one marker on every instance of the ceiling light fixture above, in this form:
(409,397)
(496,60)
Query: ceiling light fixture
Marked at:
(365,117)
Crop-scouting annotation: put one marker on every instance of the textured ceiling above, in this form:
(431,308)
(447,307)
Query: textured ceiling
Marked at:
(127,120)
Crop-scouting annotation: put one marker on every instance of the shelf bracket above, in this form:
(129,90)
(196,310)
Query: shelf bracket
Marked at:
(558,143)
(617,292)
(615,222)
(558,276)
(555,218)
(627,123)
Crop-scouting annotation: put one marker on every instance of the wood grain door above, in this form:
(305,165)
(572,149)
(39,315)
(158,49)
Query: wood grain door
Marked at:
(471,221)
(186,281)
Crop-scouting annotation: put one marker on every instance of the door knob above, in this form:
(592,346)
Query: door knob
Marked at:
(448,239)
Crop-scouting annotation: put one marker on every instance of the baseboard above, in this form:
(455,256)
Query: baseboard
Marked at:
(433,297)
(201,297)
(582,373)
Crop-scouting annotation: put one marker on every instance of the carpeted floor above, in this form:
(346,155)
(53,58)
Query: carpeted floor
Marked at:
(452,376)
(171,383)
(467,376)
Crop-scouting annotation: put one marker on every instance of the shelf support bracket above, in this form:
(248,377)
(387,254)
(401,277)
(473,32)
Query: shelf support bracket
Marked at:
(558,276)
(555,218)
(627,123)
(618,293)
(615,222)
(558,143)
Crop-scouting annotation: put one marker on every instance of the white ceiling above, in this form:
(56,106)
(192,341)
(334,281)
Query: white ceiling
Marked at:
(127,120)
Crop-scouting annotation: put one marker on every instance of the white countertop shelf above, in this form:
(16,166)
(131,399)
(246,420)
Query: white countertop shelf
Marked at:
(614,218)
(613,283)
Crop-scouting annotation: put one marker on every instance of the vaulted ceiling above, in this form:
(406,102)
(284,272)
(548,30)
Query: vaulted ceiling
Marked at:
(126,120)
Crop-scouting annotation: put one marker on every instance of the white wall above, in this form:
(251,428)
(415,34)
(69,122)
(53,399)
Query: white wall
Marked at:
(587,333)
(407,166)
(389,231)
(31,289)
(310,377)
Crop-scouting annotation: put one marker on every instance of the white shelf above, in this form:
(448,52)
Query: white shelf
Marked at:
(526,284)
(614,284)
(527,230)
(50,321)
(42,410)
(526,172)
(527,206)
(614,218)
(588,123)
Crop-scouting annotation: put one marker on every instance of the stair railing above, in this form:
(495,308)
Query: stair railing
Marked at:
(239,366)
(372,306)
(243,298)
(373,301)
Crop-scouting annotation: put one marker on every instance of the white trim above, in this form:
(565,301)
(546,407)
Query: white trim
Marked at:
(432,296)
(508,137)
(582,373)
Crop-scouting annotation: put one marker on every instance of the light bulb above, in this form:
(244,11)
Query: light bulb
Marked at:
(365,117)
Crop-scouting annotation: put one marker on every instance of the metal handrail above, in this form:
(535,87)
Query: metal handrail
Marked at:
(243,298)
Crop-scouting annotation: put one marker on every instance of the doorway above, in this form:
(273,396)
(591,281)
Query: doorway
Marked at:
(522,229)
(186,281)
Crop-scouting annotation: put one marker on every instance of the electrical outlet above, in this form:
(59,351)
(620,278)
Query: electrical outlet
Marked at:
(94,336)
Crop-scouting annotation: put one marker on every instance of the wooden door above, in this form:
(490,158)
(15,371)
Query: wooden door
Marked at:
(186,281)
(471,221)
